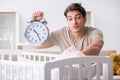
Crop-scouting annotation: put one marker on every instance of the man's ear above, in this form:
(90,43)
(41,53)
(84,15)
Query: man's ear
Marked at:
(85,19)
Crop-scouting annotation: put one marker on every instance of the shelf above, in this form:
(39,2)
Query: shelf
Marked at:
(90,19)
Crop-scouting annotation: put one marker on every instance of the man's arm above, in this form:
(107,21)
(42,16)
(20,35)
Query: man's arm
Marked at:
(95,46)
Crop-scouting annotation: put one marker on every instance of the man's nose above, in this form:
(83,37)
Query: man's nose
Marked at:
(74,21)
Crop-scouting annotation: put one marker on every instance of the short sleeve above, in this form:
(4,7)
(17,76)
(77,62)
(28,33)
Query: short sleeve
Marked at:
(54,37)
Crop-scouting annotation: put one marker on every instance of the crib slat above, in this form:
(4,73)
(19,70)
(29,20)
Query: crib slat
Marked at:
(61,73)
(97,71)
(71,72)
(107,70)
(11,72)
(5,72)
(18,73)
(80,72)
(24,73)
(0,72)
(89,67)
(48,73)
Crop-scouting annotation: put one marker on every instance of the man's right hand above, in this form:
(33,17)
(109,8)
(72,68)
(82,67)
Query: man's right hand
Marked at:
(37,16)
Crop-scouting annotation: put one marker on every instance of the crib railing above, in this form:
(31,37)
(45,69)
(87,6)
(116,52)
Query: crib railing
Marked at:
(61,65)
(11,55)
(15,55)
(21,65)
(10,60)
(38,56)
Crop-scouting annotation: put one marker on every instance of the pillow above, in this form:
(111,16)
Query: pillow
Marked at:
(70,52)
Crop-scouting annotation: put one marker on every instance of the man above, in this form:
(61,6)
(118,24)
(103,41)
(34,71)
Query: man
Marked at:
(88,40)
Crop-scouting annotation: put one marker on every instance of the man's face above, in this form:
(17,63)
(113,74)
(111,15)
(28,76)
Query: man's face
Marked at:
(75,21)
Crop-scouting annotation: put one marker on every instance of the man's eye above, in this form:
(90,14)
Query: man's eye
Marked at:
(78,17)
(69,19)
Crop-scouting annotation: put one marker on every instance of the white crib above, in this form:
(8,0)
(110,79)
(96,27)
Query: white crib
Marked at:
(20,65)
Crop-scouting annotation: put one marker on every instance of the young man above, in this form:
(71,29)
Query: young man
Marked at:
(88,40)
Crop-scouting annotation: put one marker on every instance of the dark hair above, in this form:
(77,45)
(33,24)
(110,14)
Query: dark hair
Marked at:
(74,7)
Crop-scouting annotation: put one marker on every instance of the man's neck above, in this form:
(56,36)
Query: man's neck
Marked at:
(78,35)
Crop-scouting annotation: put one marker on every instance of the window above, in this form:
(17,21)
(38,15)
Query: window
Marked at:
(8,24)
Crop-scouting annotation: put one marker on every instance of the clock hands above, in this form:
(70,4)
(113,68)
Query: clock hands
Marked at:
(36,33)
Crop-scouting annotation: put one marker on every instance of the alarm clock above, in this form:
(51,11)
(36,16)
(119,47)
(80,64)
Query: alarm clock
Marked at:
(36,32)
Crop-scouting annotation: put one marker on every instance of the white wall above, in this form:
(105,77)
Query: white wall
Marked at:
(106,15)
(107,18)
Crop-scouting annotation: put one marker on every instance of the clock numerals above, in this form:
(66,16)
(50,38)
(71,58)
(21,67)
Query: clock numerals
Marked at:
(29,36)
(44,33)
(36,25)
(30,29)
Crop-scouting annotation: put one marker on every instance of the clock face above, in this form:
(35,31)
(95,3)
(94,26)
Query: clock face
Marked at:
(36,33)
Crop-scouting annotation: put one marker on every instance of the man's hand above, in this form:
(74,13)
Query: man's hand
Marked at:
(37,16)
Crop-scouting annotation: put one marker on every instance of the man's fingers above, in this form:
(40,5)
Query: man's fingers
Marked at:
(38,15)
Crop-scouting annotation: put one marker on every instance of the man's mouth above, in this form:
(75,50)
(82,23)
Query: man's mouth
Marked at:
(75,27)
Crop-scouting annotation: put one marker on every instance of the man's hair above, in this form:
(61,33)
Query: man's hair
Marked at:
(75,7)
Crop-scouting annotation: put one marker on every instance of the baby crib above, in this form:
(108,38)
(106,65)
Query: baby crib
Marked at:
(20,65)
